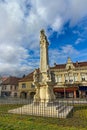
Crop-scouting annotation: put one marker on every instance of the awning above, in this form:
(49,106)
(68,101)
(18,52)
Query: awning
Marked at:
(70,89)
(83,88)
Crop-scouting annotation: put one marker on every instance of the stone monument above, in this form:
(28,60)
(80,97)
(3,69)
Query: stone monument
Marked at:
(44,100)
(44,79)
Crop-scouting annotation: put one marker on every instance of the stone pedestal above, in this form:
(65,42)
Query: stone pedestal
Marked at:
(44,92)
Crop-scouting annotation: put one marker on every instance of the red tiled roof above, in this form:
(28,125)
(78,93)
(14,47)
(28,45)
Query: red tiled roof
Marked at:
(59,66)
(80,64)
(3,78)
(11,81)
(62,66)
(29,77)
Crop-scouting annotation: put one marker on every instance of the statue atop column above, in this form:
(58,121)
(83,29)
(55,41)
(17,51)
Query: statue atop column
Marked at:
(44,61)
(44,86)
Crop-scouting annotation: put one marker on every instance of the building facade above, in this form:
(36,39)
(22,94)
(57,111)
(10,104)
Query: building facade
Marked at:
(70,79)
(26,87)
(1,80)
(9,87)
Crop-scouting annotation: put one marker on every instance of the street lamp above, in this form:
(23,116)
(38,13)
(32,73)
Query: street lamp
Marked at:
(64,91)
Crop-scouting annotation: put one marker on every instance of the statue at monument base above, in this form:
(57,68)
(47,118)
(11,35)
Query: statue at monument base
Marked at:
(44,93)
(44,88)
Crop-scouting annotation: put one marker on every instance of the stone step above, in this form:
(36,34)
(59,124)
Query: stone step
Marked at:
(65,112)
(59,111)
(62,108)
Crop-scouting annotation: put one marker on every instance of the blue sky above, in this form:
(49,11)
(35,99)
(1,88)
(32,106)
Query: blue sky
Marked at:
(74,39)
(65,24)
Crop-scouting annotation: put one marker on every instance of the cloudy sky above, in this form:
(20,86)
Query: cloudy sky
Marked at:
(65,24)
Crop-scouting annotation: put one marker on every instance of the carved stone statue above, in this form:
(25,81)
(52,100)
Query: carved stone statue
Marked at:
(37,95)
(35,76)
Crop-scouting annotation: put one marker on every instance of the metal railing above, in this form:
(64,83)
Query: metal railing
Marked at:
(60,108)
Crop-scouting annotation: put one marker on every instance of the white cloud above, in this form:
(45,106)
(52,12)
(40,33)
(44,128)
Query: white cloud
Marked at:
(12,54)
(77,32)
(78,10)
(20,23)
(69,49)
(79,40)
(59,56)
(57,24)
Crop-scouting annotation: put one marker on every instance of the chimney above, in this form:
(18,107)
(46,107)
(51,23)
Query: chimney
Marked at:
(76,63)
(54,64)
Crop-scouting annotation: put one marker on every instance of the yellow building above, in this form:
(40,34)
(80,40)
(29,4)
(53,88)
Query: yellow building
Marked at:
(71,79)
(26,88)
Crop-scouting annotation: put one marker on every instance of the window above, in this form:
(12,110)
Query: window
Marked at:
(10,87)
(23,85)
(83,79)
(71,80)
(32,85)
(75,77)
(2,87)
(66,78)
(5,87)
(58,78)
(84,76)
(15,87)
(66,81)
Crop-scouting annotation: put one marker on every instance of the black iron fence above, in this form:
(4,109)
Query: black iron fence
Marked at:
(60,108)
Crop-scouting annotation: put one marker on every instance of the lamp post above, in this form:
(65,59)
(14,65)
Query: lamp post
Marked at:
(64,92)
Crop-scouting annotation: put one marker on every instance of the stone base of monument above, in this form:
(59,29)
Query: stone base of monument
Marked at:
(57,110)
